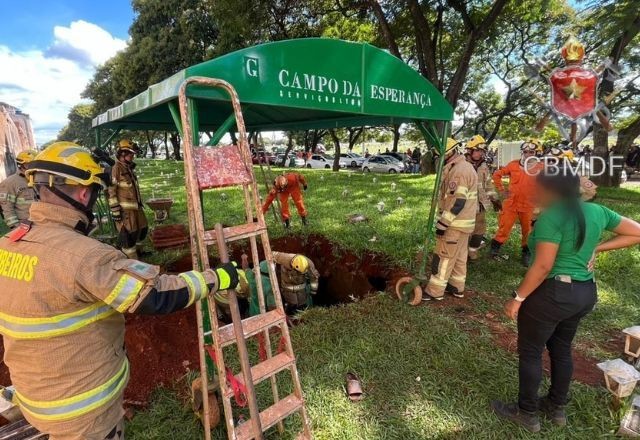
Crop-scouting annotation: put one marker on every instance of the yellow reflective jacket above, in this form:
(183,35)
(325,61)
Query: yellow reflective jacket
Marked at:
(63,295)
(458,196)
(125,190)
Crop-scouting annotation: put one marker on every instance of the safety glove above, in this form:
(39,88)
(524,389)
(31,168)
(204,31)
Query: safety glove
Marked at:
(228,276)
(116,213)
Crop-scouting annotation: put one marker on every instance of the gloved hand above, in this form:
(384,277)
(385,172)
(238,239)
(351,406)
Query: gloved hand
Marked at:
(497,205)
(304,187)
(116,213)
(228,276)
(243,289)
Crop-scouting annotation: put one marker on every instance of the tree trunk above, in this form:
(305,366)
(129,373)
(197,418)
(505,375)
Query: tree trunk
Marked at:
(626,136)
(601,150)
(385,28)
(166,146)
(354,135)
(396,137)
(175,141)
(287,151)
(336,144)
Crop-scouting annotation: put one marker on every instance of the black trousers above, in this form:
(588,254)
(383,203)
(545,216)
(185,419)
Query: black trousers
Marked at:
(550,317)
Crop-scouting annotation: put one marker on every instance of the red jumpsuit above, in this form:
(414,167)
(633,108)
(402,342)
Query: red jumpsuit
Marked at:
(519,205)
(294,181)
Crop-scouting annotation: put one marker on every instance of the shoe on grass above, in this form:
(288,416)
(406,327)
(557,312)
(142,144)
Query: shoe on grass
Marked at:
(553,412)
(427,297)
(512,412)
(454,291)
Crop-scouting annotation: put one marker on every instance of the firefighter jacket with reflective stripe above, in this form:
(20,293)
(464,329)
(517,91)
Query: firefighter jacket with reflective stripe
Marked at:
(15,199)
(291,279)
(458,196)
(521,183)
(63,295)
(486,191)
(124,189)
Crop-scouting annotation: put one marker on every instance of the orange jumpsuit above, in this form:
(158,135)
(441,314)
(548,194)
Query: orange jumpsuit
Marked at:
(294,181)
(519,205)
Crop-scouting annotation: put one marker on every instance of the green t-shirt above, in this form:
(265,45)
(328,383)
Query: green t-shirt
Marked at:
(254,305)
(555,225)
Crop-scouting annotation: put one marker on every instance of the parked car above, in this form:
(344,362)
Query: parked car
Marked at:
(292,161)
(382,164)
(261,156)
(320,161)
(402,157)
(353,160)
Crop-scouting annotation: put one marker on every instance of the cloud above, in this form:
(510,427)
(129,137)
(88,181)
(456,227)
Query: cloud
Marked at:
(47,83)
(84,43)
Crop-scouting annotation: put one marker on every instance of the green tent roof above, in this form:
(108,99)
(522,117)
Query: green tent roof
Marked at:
(294,84)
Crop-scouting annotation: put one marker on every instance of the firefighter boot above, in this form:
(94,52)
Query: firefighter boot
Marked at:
(287,223)
(526,256)
(553,412)
(304,221)
(475,243)
(511,411)
(495,249)
(453,291)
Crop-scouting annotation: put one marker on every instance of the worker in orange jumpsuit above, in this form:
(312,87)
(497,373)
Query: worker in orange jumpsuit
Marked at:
(286,185)
(518,203)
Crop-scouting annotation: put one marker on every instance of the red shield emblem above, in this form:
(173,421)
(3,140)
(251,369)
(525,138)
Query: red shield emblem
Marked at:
(573,91)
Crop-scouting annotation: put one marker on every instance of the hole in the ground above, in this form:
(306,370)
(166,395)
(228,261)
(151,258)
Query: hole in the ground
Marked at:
(344,276)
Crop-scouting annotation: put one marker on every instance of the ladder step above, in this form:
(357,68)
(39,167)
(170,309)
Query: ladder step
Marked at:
(234,233)
(251,326)
(270,416)
(266,369)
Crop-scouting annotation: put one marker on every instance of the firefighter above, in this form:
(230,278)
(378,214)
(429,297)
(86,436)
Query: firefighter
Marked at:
(15,195)
(298,280)
(63,329)
(125,201)
(476,154)
(286,185)
(457,206)
(518,203)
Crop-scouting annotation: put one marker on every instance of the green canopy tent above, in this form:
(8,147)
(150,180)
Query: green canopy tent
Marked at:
(294,85)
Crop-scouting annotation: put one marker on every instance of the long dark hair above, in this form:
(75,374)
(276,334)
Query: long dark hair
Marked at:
(565,183)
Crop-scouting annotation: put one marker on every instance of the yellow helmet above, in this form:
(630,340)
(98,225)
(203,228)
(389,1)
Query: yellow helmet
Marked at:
(125,145)
(280,183)
(66,163)
(300,263)
(477,142)
(452,144)
(25,157)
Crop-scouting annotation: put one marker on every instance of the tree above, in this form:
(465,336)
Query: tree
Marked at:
(78,129)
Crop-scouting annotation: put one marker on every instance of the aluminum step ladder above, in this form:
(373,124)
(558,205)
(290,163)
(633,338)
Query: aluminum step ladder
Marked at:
(231,166)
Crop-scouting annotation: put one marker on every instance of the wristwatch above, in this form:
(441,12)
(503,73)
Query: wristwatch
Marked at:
(517,297)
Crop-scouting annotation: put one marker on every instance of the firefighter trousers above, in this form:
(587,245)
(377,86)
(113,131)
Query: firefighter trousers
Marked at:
(507,219)
(296,195)
(478,234)
(449,262)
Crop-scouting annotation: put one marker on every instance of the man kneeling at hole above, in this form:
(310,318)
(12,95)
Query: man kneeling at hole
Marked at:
(64,294)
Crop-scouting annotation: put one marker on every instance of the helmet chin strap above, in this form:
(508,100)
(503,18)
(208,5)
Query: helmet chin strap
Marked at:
(87,210)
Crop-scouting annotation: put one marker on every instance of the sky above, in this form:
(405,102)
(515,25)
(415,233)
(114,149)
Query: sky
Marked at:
(49,49)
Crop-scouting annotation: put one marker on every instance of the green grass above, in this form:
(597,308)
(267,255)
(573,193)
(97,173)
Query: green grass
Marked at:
(389,344)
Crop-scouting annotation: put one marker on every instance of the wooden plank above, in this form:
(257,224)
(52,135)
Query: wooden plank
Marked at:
(266,369)
(234,233)
(270,416)
(251,326)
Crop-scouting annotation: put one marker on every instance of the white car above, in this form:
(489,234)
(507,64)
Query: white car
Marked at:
(320,161)
(352,160)
(292,162)
(382,164)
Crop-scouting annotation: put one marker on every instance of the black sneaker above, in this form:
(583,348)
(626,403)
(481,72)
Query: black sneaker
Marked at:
(526,256)
(427,297)
(494,251)
(553,412)
(512,412)
(287,224)
(453,291)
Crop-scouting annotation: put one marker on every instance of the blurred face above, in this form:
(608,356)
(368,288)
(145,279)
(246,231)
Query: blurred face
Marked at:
(543,197)
(477,155)
(528,153)
(128,157)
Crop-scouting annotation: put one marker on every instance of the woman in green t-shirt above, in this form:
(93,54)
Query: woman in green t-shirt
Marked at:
(557,291)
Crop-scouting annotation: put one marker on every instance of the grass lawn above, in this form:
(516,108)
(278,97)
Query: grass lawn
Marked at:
(428,372)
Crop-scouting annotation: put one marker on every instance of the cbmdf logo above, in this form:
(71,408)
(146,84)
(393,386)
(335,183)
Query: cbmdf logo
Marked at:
(252,67)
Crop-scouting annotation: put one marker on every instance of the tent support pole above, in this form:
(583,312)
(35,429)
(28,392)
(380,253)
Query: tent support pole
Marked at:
(175,114)
(431,136)
(222,130)
(109,139)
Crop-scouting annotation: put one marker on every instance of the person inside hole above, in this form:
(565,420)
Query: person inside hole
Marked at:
(298,283)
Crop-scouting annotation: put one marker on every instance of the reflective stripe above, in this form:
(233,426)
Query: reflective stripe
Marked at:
(462,190)
(124,293)
(448,217)
(80,404)
(11,197)
(472,195)
(42,328)
(458,278)
(129,205)
(464,223)
(221,297)
(196,285)
(124,185)
(294,287)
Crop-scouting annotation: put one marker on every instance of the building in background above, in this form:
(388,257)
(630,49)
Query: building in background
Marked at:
(16,135)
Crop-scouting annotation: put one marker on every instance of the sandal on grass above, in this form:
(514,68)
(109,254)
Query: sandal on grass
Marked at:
(354,388)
